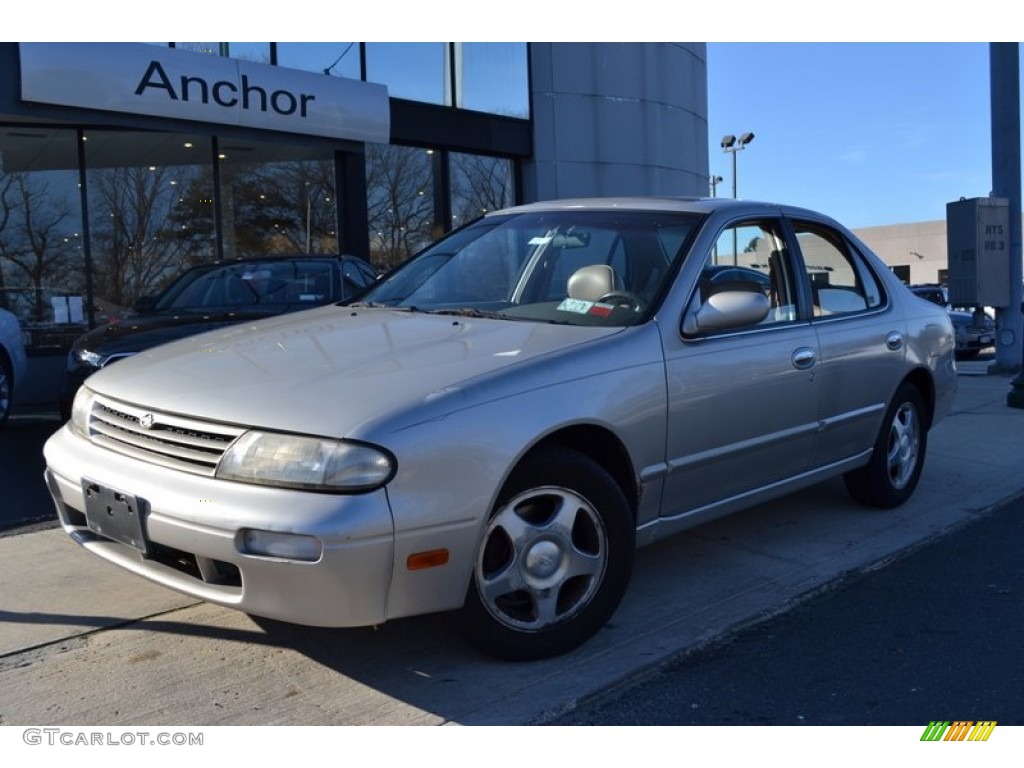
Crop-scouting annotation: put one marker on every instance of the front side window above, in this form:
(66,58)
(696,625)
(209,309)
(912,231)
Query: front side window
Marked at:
(750,257)
(573,267)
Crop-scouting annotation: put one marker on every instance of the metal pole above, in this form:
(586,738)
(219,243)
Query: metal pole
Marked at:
(733,153)
(735,244)
(1004,77)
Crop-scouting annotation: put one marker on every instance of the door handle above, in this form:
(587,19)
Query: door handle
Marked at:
(803,358)
(894,340)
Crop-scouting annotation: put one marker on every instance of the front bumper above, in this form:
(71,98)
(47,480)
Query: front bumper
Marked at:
(193,530)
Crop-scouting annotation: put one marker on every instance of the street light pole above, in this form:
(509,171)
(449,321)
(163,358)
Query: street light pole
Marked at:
(732,145)
(715,181)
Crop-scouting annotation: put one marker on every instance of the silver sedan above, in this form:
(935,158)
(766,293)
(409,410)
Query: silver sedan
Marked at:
(499,424)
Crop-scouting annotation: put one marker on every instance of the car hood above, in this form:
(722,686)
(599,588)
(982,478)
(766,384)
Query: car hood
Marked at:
(336,371)
(961,317)
(139,333)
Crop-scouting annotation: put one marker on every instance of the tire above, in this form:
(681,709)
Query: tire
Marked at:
(554,560)
(891,476)
(6,389)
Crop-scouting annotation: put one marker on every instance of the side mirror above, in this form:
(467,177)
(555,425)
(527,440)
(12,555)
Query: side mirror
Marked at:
(144,305)
(725,311)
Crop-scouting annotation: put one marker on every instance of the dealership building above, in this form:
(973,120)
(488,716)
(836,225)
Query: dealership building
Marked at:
(123,163)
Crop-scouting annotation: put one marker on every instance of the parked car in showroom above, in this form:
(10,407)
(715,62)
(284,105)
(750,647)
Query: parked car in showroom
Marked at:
(12,361)
(498,424)
(214,295)
(975,329)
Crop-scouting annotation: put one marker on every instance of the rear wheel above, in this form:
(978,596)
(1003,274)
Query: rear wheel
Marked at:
(554,560)
(891,476)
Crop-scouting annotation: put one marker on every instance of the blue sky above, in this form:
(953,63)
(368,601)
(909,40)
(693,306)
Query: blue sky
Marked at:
(870,133)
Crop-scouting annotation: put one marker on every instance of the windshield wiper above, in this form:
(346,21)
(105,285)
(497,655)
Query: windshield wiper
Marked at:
(469,312)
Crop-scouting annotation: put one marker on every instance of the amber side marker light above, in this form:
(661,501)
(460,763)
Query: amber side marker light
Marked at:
(432,558)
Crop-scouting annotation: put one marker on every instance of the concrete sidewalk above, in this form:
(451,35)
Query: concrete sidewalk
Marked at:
(66,618)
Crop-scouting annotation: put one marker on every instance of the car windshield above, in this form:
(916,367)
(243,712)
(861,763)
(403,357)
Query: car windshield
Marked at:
(271,285)
(576,267)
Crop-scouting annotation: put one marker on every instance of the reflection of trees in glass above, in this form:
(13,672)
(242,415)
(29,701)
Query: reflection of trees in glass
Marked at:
(39,242)
(257,211)
(399,202)
(143,233)
(479,184)
(286,207)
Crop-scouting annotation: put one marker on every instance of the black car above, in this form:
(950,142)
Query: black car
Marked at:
(214,295)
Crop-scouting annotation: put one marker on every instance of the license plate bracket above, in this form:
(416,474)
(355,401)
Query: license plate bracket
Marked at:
(115,514)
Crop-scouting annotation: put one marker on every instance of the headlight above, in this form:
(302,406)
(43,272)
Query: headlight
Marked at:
(80,412)
(308,463)
(79,358)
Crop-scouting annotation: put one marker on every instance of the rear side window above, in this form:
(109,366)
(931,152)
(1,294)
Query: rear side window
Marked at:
(841,282)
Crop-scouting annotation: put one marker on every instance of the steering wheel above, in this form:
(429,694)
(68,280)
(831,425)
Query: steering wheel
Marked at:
(622,299)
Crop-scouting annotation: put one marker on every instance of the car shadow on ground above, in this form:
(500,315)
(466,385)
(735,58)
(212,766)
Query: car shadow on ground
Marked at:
(25,498)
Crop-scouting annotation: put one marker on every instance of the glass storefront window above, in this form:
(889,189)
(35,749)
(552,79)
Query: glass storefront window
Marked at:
(258,52)
(400,202)
(42,266)
(277,199)
(493,78)
(151,212)
(216,49)
(337,59)
(479,184)
(416,71)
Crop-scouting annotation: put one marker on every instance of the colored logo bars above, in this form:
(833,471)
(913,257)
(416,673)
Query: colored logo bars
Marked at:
(959,730)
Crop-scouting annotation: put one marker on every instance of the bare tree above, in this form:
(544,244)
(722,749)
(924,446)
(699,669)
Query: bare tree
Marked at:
(399,201)
(137,242)
(480,184)
(35,237)
(306,193)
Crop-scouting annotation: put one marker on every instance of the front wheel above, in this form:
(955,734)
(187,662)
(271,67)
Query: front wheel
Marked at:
(554,560)
(891,476)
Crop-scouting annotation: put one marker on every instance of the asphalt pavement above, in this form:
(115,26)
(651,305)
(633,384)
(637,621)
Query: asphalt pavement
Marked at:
(85,643)
(23,496)
(934,635)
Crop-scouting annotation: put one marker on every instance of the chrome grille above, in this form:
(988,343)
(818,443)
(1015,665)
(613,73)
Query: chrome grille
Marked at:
(171,441)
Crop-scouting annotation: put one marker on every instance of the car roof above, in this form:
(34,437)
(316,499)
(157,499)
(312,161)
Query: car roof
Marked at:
(698,205)
(265,258)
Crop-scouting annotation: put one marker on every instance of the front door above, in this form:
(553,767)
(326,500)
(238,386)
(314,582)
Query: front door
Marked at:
(743,402)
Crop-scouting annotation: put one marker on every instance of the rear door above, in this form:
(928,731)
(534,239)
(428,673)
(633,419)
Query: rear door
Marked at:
(860,337)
